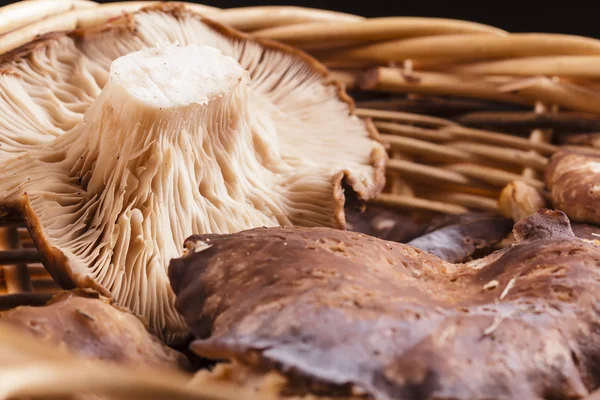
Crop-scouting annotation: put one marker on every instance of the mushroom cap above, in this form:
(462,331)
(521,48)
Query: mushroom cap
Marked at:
(162,124)
(89,325)
(341,312)
(573,180)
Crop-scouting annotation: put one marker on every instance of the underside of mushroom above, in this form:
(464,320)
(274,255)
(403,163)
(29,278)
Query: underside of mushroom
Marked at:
(147,132)
(338,312)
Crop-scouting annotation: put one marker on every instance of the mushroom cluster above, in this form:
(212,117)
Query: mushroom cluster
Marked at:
(342,313)
(127,139)
(191,181)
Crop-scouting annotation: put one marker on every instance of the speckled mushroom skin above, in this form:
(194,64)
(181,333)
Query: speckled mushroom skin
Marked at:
(341,312)
(91,326)
(574,182)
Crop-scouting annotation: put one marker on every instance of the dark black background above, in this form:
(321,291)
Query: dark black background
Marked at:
(554,16)
(560,16)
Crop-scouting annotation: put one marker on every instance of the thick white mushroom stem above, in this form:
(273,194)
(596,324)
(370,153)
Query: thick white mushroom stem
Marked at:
(177,143)
(178,130)
(169,152)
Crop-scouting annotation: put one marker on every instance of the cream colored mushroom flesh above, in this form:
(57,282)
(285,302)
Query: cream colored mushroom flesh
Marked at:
(140,135)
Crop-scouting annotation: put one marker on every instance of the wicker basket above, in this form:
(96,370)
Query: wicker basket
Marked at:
(465,107)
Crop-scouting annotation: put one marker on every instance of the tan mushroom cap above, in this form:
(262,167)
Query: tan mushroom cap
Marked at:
(573,180)
(124,144)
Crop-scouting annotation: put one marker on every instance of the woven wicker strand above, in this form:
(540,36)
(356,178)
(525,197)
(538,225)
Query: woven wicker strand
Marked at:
(464,107)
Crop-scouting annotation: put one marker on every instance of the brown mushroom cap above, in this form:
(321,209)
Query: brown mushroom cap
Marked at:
(574,183)
(91,326)
(217,134)
(336,311)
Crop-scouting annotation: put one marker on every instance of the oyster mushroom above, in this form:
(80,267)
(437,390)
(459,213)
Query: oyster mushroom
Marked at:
(339,312)
(173,140)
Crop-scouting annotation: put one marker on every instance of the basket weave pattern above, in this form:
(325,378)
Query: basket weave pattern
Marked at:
(465,108)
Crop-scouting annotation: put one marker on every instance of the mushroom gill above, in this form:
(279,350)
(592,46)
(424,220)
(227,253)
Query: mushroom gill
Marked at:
(47,85)
(182,140)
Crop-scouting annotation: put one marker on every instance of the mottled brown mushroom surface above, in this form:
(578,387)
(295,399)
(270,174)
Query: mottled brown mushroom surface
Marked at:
(574,183)
(341,312)
(91,326)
